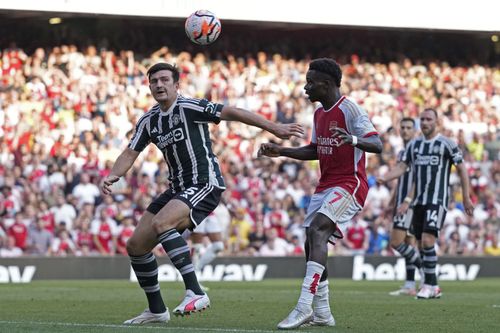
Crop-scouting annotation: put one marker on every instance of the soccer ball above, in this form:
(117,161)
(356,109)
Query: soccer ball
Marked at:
(202,27)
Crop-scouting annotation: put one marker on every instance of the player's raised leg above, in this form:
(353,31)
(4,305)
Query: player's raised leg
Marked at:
(169,224)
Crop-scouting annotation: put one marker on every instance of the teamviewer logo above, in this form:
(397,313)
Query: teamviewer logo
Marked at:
(178,134)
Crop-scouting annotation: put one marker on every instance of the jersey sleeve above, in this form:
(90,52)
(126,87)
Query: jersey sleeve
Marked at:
(407,156)
(141,137)
(455,152)
(313,133)
(362,126)
(208,111)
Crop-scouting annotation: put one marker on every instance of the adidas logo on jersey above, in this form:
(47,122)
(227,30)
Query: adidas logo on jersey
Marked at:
(155,130)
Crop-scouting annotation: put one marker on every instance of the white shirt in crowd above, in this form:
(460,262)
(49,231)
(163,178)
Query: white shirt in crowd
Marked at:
(86,193)
(64,213)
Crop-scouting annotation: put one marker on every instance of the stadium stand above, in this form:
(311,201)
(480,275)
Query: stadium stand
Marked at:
(67,108)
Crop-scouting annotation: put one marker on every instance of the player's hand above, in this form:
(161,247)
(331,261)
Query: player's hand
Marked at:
(380,180)
(469,207)
(403,208)
(107,183)
(342,136)
(269,149)
(285,131)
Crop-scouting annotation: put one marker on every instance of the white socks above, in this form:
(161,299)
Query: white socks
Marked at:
(209,255)
(321,301)
(310,285)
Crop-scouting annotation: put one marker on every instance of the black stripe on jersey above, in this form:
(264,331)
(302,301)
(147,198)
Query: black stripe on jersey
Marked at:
(432,161)
(193,136)
(183,137)
(141,137)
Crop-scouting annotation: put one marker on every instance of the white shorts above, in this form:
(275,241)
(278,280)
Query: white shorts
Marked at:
(337,204)
(209,225)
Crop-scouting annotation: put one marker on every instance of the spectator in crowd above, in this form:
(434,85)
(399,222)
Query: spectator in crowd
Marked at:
(19,232)
(274,246)
(62,245)
(39,238)
(76,103)
(10,249)
(104,232)
(85,191)
(256,238)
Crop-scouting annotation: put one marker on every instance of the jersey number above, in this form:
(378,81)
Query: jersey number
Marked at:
(432,218)
(337,197)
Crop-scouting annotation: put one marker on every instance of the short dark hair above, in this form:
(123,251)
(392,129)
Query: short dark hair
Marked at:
(432,110)
(327,66)
(408,119)
(164,66)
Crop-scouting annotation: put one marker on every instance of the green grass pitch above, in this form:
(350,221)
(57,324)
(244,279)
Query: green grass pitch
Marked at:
(101,306)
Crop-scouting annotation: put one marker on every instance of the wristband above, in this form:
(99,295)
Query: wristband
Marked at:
(354,140)
(408,200)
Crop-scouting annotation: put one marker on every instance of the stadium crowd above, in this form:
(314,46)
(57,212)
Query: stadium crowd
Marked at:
(66,113)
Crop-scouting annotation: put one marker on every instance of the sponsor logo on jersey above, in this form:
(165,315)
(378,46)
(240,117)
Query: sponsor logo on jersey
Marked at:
(427,160)
(175,136)
(178,134)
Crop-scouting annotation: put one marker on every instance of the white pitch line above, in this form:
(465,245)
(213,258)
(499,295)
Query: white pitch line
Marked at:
(166,328)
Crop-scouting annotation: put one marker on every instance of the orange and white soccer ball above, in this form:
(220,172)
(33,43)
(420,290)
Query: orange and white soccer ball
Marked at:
(203,27)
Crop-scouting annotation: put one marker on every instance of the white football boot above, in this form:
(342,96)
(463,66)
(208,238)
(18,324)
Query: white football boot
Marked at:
(149,317)
(318,320)
(427,292)
(404,291)
(295,319)
(192,303)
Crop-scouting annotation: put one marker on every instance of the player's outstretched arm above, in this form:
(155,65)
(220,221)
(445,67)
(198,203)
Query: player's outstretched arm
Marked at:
(282,131)
(464,181)
(398,170)
(304,153)
(122,164)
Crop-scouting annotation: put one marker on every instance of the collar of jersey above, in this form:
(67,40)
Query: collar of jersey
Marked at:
(341,99)
(170,109)
(434,138)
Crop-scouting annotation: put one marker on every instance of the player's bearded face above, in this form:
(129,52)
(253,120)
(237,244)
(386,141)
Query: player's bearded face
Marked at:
(428,122)
(163,87)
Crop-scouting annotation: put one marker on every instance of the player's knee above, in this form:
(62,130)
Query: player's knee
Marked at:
(133,247)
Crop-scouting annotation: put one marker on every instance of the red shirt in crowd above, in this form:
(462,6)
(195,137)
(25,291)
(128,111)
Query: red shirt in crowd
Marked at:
(20,233)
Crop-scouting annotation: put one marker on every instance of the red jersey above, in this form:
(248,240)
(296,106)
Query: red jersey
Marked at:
(124,234)
(104,232)
(20,234)
(356,235)
(84,238)
(342,166)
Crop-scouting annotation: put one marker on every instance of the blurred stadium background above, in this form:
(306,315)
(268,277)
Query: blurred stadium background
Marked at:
(72,86)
